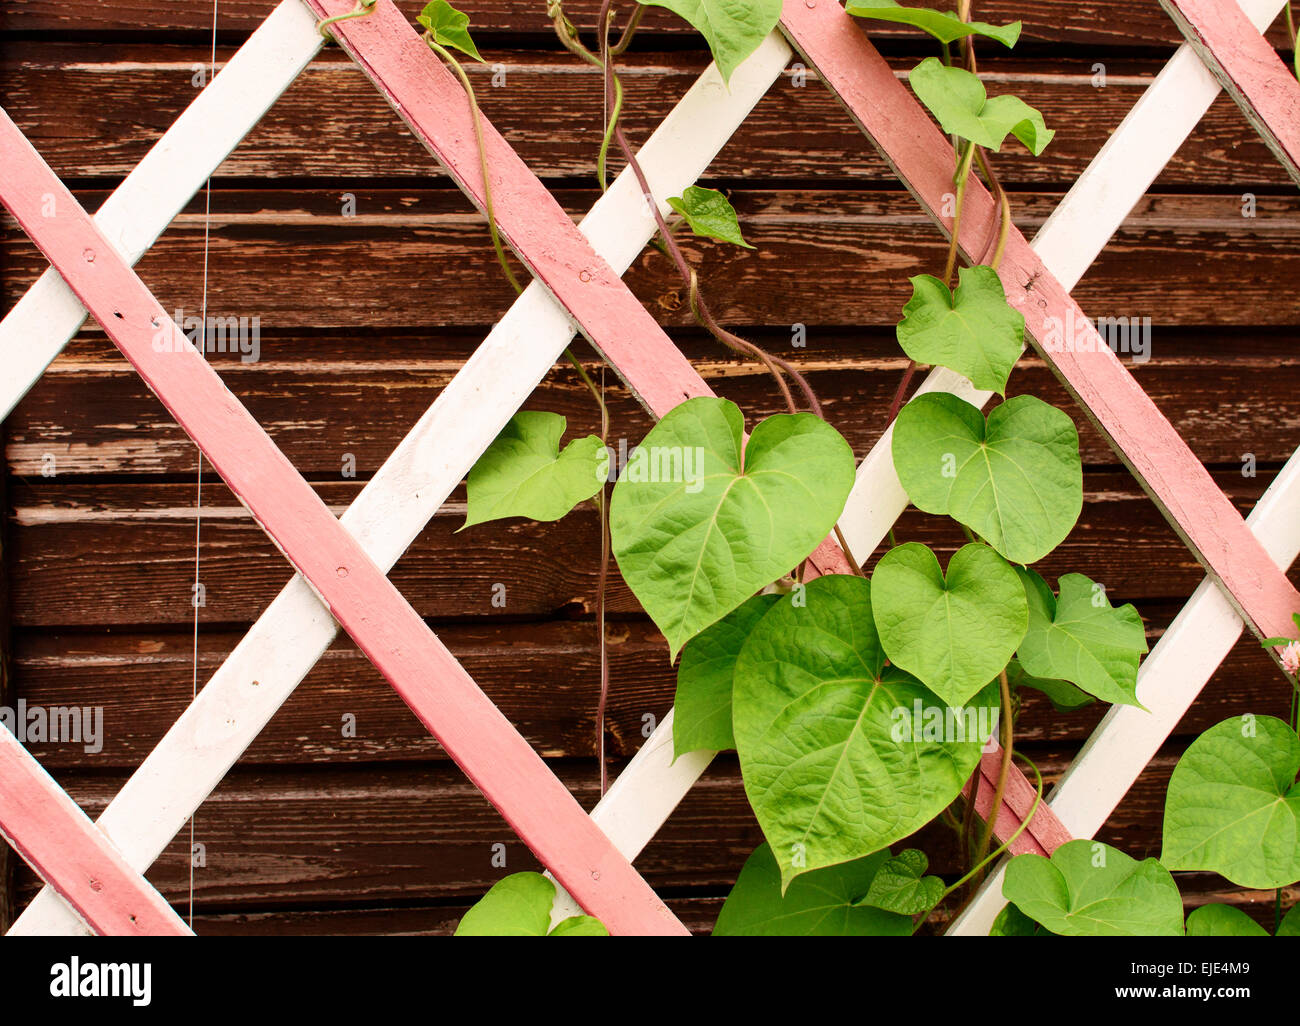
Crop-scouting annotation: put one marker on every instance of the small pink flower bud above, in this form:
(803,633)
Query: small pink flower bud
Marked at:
(1291,658)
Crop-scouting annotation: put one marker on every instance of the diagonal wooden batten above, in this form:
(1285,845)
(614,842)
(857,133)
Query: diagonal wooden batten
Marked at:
(432,102)
(358,594)
(1249,70)
(61,844)
(35,331)
(391,510)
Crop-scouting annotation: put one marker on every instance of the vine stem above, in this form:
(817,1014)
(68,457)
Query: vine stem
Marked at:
(361,10)
(963,174)
(1004,770)
(602,504)
(1005,845)
(497,246)
(1004,209)
(699,307)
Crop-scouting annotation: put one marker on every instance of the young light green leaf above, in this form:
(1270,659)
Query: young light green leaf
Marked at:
(524,474)
(1233,804)
(449,27)
(945,26)
(973,330)
(1063,695)
(732,28)
(831,765)
(697,528)
(1089,889)
(954,635)
(961,106)
(709,214)
(519,905)
(901,886)
(702,708)
(1081,638)
(1015,480)
(818,904)
(1217,920)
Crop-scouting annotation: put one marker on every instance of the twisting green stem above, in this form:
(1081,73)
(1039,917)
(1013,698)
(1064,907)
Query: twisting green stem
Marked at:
(1005,845)
(629,30)
(488,208)
(1004,771)
(1004,208)
(963,173)
(614,113)
(362,9)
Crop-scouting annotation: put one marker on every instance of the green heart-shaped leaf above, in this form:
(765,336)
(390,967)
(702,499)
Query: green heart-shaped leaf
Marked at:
(961,106)
(819,904)
(732,28)
(697,529)
(1081,638)
(524,474)
(1089,889)
(1015,480)
(702,708)
(1222,921)
(831,764)
(954,635)
(1290,926)
(901,886)
(449,27)
(945,26)
(973,330)
(1233,804)
(520,906)
(709,214)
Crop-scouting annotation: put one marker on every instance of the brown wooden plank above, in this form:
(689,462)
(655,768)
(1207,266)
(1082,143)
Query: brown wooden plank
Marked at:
(543,676)
(549,110)
(293,260)
(369,836)
(1118,23)
(123,554)
(325,397)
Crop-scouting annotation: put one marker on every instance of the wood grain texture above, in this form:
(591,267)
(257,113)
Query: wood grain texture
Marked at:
(544,107)
(1103,23)
(543,676)
(368,836)
(1250,71)
(123,555)
(357,593)
(1217,268)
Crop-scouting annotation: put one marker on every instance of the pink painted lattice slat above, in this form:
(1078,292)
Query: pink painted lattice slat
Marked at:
(385,627)
(1249,70)
(63,846)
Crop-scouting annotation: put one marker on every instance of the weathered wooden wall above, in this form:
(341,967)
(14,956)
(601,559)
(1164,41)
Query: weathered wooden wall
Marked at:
(364,318)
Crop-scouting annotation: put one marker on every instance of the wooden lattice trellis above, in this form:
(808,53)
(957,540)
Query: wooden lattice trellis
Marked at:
(93,871)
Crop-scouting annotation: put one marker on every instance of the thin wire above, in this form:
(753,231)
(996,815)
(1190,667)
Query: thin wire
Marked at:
(198,496)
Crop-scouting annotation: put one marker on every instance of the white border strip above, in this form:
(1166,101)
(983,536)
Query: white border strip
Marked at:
(294,632)
(149,198)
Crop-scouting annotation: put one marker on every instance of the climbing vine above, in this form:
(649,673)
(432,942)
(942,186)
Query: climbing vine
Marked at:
(859,704)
